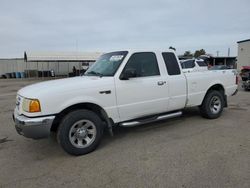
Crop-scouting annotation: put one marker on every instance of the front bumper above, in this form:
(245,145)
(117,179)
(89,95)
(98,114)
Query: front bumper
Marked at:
(38,127)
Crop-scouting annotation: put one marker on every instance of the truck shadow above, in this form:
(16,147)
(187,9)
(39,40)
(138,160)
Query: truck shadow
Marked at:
(163,125)
(41,148)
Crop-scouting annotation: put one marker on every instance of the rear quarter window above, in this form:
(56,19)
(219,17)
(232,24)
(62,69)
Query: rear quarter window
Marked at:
(171,63)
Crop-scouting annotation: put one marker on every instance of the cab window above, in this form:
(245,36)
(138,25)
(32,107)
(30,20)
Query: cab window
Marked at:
(143,64)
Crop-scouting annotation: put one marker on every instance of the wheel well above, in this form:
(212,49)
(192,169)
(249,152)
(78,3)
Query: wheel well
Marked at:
(217,87)
(89,106)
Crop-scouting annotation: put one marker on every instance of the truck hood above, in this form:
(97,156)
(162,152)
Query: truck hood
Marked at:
(61,86)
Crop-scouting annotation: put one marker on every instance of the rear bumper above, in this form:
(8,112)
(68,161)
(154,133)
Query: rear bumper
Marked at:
(236,91)
(33,127)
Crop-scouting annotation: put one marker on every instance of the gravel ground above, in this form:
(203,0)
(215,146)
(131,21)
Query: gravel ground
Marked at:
(188,151)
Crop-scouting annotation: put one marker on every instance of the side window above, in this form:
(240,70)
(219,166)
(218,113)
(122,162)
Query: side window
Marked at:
(144,64)
(202,63)
(183,65)
(189,64)
(171,63)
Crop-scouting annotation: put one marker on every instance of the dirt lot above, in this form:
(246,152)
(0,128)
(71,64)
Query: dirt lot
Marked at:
(184,152)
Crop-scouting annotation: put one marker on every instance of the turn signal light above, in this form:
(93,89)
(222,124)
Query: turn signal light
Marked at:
(31,105)
(237,80)
(34,106)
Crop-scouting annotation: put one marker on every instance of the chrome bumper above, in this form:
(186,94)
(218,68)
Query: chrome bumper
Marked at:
(33,127)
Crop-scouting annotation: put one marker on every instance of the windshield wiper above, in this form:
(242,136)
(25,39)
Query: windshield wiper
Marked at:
(95,73)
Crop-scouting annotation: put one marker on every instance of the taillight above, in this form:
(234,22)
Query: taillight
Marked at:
(236,80)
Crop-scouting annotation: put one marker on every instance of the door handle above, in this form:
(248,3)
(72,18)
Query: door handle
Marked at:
(105,92)
(160,83)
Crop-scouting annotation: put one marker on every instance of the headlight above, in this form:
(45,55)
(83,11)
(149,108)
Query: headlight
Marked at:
(31,105)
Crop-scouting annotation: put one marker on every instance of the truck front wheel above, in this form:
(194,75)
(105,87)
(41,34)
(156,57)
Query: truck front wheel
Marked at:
(80,132)
(212,105)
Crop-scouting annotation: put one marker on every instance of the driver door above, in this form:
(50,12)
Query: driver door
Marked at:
(146,93)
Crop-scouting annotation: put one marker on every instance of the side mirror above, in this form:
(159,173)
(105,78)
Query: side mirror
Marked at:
(128,73)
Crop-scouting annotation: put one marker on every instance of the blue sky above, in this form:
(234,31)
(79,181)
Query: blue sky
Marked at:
(78,25)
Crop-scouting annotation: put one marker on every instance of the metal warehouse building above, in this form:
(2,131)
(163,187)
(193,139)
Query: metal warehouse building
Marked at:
(61,63)
(243,58)
(11,65)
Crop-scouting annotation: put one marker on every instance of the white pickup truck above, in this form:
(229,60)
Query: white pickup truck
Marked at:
(192,65)
(125,88)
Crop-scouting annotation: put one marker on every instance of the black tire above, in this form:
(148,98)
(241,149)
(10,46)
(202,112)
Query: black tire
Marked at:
(208,109)
(64,133)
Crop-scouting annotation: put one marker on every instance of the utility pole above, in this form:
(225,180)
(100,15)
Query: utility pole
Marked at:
(228,52)
(217,53)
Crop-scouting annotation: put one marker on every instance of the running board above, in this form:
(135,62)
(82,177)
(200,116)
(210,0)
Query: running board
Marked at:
(149,120)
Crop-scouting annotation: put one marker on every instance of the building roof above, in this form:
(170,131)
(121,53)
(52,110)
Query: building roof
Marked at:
(61,56)
(218,57)
(247,40)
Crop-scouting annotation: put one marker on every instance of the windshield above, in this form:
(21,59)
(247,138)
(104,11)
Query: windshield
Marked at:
(107,64)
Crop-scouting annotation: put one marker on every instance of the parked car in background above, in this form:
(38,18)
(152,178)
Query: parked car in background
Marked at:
(245,76)
(191,65)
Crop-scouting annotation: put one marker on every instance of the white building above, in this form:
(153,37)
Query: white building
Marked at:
(243,58)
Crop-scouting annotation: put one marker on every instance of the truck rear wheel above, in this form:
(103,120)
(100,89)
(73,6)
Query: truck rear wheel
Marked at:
(212,105)
(80,132)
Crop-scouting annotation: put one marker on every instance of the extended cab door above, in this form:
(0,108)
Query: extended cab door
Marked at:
(177,83)
(144,94)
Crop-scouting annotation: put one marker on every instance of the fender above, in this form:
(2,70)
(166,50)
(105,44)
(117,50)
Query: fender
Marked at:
(111,111)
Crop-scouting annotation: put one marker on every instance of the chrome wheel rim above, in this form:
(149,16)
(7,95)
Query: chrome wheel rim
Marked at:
(215,104)
(82,133)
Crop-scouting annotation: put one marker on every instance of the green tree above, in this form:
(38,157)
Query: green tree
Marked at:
(188,54)
(200,52)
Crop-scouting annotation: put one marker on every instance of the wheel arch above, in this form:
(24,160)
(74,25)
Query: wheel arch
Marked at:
(88,106)
(217,87)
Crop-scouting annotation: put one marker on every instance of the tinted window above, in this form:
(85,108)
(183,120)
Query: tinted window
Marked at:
(144,64)
(182,65)
(171,63)
(188,64)
(201,63)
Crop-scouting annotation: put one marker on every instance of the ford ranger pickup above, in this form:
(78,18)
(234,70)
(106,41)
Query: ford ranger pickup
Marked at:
(122,88)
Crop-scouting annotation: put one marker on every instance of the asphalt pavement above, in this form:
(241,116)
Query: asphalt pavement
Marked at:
(187,151)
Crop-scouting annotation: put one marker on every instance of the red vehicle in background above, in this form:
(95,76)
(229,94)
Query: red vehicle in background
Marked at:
(245,76)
